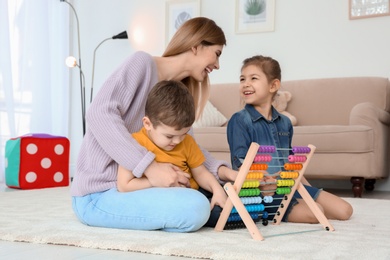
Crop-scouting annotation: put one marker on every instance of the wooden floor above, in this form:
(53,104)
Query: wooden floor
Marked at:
(18,250)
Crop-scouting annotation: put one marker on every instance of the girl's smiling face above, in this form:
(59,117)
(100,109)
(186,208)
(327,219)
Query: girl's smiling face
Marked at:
(254,86)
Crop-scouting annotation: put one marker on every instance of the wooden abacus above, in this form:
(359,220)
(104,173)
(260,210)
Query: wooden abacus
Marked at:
(233,190)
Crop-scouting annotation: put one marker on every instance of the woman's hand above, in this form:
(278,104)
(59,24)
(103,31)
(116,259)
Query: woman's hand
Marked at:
(166,175)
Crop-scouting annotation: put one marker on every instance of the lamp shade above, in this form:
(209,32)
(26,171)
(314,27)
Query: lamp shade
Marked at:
(71,62)
(122,35)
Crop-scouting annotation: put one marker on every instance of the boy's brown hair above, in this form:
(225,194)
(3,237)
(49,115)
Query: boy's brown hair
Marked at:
(170,103)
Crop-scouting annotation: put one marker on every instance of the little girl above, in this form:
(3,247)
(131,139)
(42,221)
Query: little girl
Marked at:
(260,122)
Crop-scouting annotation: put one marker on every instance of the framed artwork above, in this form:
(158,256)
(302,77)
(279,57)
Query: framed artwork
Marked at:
(255,16)
(359,9)
(177,12)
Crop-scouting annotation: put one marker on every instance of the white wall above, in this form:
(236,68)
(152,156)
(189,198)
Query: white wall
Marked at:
(312,39)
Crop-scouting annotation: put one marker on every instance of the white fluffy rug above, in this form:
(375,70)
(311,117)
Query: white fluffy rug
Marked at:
(45,216)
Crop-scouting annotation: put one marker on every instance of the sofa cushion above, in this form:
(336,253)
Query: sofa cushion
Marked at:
(335,138)
(330,101)
(211,117)
(327,139)
(212,138)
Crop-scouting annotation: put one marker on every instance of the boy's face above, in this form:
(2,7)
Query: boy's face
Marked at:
(165,137)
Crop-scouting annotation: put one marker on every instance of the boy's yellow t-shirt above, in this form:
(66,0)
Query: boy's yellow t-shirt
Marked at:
(185,155)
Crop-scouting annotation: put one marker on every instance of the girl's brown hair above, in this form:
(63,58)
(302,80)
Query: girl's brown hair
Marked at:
(268,65)
(194,32)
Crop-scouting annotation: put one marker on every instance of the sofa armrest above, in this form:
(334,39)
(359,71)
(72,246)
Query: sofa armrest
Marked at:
(368,114)
(378,119)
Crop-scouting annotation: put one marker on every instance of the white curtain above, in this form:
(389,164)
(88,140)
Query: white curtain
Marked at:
(34,92)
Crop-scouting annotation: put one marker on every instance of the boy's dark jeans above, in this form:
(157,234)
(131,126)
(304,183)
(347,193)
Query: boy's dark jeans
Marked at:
(215,212)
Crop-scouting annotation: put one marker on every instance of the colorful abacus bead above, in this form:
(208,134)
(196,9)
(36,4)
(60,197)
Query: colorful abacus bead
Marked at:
(268,199)
(293,166)
(297,158)
(234,217)
(262,158)
(254,175)
(267,149)
(283,190)
(289,175)
(289,183)
(301,149)
(250,184)
(251,208)
(259,167)
(254,207)
(234,225)
(251,200)
(249,192)
(235,221)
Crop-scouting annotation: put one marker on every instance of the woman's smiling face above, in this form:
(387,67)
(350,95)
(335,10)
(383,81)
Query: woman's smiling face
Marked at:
(207,60)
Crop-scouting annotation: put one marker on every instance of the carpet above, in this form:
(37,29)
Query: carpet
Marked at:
(45,216)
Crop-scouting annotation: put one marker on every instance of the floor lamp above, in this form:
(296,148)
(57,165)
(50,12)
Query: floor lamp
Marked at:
(122,35)
(71,62)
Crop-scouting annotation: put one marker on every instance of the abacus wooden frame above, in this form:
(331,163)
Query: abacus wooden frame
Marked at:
(233,190)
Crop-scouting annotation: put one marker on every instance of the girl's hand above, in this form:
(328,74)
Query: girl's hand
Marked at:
(269,185)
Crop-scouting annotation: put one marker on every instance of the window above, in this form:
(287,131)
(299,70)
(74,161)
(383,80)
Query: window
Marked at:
(34,93)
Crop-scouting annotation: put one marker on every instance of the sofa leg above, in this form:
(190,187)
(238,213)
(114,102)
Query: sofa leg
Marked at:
(357,186)
(369,184)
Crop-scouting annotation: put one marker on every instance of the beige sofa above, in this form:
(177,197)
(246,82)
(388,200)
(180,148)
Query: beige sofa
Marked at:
(347,119)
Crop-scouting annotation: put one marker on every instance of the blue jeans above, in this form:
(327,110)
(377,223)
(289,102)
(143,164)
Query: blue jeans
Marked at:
(313,191)
(168,209)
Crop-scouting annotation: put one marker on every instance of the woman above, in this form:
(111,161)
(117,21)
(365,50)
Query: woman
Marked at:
(117,111)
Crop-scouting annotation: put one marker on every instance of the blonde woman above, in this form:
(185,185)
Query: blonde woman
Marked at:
(117,112)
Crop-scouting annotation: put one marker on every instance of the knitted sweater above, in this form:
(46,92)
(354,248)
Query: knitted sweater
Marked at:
(115,113)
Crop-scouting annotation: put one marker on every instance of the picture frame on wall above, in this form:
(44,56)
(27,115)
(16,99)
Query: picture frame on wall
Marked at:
(253,16)
(359,9)
(178,12)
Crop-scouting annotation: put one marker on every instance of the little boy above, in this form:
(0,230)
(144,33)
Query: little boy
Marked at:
(169,115)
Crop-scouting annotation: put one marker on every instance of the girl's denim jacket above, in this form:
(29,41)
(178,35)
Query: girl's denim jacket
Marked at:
(248,125)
